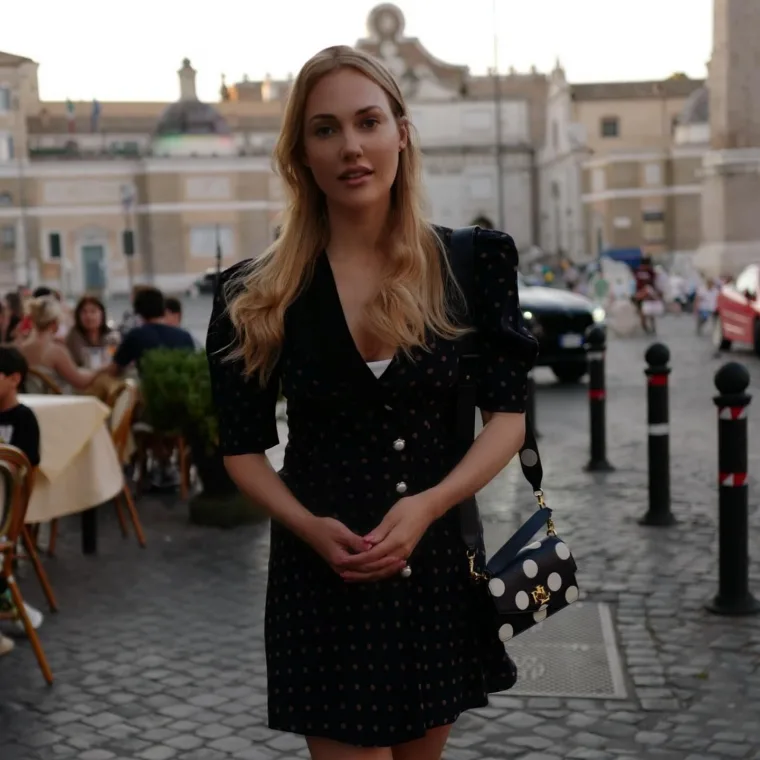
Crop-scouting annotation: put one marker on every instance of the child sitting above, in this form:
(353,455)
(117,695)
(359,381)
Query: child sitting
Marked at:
(19,428)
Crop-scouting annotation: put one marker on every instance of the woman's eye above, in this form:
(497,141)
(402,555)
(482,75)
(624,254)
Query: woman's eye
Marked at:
(370,123)
(323,131)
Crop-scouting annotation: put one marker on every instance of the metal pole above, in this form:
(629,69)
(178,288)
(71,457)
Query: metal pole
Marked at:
(597,400)
(658,419)
(734,596)
(128,239)
(218,254)
(497,109)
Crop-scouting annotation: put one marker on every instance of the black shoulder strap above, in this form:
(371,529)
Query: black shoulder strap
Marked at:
(462,262)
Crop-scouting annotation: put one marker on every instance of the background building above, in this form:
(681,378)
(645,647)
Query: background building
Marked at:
(727,121)
(574,169)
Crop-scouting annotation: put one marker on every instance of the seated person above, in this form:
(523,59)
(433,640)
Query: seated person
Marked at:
(150,307)
(174,315)
(173,311)
(90,340)
(19,428)
(44,353)
(153,333)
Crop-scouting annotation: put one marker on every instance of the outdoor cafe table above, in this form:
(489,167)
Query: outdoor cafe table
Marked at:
(79,467)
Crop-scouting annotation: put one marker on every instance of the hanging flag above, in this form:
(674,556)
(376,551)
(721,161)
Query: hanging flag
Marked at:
(95,116)
(71,116)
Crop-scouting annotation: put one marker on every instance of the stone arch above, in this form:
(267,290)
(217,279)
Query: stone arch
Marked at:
(482,221)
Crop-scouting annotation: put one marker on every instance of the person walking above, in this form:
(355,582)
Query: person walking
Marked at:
(376,640)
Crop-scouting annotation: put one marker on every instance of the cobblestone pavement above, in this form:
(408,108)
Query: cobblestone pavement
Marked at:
(158,653)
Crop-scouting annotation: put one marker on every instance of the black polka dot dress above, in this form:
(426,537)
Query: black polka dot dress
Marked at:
(374,664)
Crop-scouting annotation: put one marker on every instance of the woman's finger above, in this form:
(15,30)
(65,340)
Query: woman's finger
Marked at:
(386,548)
(350,540)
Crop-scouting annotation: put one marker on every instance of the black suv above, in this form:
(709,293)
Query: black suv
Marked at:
(558,320)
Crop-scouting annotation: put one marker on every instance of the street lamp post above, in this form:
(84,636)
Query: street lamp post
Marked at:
(218,254)
(498,119)
(128,236)
(22,192)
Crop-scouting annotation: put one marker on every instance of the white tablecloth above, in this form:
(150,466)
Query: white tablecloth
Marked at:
(79,467)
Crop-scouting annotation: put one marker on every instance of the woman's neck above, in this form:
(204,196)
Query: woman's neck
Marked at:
(92,336)
(355,233)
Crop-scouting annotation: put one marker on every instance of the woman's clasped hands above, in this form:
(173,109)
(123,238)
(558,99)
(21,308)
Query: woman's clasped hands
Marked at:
(382,553)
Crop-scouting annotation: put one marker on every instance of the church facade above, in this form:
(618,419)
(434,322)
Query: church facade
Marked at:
(574,170)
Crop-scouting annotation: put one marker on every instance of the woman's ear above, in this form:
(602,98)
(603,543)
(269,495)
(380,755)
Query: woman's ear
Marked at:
(403,131)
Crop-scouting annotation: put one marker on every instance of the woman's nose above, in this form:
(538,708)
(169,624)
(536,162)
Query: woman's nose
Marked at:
(351,144)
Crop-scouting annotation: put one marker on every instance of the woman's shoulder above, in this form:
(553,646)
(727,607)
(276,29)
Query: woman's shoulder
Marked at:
(232,279)
(492,247)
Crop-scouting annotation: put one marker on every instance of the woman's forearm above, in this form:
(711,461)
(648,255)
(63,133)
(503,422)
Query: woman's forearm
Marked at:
(501,438)
(254,475)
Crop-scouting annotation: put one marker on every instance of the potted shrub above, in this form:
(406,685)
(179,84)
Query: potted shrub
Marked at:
(176,391)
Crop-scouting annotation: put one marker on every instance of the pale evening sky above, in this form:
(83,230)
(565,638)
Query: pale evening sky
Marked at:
(131,50)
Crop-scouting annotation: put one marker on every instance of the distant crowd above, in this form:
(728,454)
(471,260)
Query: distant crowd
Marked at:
(78,349)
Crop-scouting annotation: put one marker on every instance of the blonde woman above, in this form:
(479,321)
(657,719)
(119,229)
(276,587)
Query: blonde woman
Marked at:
(376,641)
(44,353)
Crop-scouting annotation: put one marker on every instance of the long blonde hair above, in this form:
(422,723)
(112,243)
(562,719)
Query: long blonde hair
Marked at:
(411,299)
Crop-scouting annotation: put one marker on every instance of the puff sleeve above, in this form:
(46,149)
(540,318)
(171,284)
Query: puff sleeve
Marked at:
(246,412)
(507,349)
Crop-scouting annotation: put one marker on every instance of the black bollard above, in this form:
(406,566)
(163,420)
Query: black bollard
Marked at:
(530,407)
(734,596)
(597,399)
(658,424)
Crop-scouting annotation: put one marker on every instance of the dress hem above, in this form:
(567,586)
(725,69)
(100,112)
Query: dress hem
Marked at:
(381,743)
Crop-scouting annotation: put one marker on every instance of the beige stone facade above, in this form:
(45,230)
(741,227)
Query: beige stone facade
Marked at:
(571,168)
(613,176)
(731,167)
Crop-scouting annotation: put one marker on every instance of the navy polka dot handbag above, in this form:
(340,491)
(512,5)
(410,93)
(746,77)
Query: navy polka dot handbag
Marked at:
(528,579)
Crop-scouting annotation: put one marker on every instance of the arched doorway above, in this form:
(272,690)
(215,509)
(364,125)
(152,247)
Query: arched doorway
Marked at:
(482,221)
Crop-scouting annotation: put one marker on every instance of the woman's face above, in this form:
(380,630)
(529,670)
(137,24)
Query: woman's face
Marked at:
(91,317)
(352,140)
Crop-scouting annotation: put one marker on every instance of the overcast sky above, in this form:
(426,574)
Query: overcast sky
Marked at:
(131,50)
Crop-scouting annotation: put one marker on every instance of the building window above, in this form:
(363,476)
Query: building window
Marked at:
(6,147)
(653,175)
(610,126)
(653,223)
(6,199)
(203,241)
(5,99)
(8,237)
(555,135)
(54,246)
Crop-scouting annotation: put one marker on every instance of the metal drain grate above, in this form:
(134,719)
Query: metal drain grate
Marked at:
(571,655)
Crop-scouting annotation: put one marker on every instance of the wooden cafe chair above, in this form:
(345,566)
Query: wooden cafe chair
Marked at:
(38,382)
(122,412)
(17,475)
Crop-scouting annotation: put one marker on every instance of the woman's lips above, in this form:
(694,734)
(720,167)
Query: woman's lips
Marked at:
(356,177)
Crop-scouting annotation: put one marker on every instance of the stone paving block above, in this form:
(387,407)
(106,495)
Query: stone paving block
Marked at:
(158,753)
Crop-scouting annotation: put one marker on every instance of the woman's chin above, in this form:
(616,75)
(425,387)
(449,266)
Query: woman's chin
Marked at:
(361,199)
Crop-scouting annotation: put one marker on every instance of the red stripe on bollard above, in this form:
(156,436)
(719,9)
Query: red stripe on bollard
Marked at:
(732,479)
(658,380)
(596,395)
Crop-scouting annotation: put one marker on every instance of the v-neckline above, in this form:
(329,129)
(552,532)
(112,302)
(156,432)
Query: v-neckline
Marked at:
(338,305)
